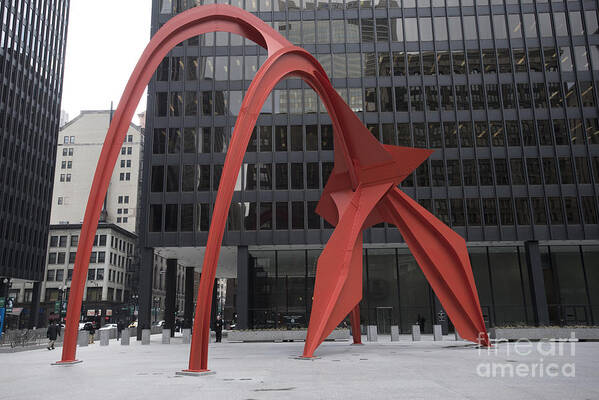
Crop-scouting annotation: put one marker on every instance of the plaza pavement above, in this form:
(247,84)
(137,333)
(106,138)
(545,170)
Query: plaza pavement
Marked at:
(383,370)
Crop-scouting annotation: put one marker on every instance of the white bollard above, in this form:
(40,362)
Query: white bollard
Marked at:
(104,337)
(83,338)
(437,333)
(125,337)
(186,336)
(372,333)
(166,336)
(415,333)
(394,333)
(145,336)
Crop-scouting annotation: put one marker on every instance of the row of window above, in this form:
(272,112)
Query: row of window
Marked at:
(125,176)
(66,164)
(394,63)
(456,212)
(60,257)
(99,240)
(425,28)
(126,150)
(467,172)
(96,257)
(177,6)
(68,140)
(125,163)
(438,135)
(65,177)
(506,96)
(123,199)
(67,151)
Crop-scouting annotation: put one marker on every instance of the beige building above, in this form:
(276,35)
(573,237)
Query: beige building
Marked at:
(79,146)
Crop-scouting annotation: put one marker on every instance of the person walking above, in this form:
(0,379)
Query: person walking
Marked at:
(52,333)
(91,331)
(218,328)
(119,328)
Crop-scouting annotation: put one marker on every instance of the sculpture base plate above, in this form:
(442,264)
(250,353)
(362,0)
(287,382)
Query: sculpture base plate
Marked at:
(187,372)
(67,362)
(306,358)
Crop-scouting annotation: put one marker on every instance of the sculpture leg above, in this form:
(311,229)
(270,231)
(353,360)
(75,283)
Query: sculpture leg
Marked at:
(443,257)
(338,287)
(354,318)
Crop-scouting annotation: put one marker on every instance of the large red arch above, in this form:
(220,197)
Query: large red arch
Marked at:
(360,192)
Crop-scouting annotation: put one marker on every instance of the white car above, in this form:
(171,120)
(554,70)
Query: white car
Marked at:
(108,326)
(82,325)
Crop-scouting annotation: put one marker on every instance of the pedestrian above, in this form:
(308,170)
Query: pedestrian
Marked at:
(119,328)
(52,333)
(218,328)
(91,331)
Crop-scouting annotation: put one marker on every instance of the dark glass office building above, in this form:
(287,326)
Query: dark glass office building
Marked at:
(504,91)
(32,47)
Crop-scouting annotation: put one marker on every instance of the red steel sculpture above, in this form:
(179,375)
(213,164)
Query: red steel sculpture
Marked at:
(361,191)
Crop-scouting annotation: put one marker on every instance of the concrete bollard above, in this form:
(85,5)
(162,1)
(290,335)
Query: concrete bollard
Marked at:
(83,338)
(125,337)
(104,337)
(457,336)
(394,333)
(415,333)
(166,336)
(437,333)
(145,336)
(372,333)
(186,336)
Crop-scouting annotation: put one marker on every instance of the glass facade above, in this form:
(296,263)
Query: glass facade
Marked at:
(396,292)
(505,92)
(32,47)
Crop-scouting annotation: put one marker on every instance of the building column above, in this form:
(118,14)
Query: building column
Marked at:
(189,296)
(144,291)
(537,283)
(242,300)
(170,306)
(34,312)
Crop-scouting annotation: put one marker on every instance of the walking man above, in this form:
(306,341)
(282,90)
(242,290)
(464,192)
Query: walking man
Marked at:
(218,328)
(52,334)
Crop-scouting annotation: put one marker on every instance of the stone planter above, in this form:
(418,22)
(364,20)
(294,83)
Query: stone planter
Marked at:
(544,333)
(280,335)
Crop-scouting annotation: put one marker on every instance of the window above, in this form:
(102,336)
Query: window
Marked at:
(60,201)
(50,275)
(74,240)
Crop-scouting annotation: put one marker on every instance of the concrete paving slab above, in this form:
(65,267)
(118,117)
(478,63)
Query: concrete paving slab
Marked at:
(377,370)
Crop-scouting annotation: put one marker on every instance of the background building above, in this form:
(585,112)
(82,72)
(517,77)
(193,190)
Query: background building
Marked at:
(32,46)
(506,95)
(78,151)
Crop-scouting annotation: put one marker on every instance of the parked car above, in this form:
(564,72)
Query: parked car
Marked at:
(133,324)
(108,326)
(160,323)
(82,325)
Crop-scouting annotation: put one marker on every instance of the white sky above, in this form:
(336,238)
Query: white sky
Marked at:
(104,42)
